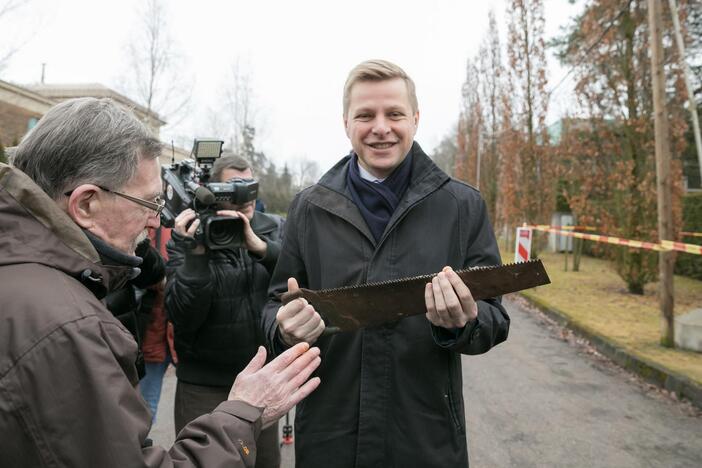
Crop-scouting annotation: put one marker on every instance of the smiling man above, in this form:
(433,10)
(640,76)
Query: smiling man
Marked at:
(85,186)
(392,395)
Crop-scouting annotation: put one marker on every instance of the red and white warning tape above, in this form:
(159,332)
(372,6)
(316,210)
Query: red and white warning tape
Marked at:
(565,228)
(664,245)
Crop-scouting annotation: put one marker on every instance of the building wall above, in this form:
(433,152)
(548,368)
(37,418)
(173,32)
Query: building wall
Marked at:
(15,122)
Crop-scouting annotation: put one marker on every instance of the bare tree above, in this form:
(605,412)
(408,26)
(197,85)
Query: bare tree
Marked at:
(9,45)
(234,117)
(157,72)
(305,172)
(491,88)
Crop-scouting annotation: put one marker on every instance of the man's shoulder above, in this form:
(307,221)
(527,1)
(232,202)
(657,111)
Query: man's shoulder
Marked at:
(270,217)
(462,189)
(37,301)
(32,291)
(264,223)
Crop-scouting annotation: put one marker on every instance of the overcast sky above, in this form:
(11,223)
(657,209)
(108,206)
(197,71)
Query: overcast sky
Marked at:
(298,54)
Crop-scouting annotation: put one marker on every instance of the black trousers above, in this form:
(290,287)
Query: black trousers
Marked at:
(192,401)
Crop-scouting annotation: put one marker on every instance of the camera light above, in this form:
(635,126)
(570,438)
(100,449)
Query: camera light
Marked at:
(208,148)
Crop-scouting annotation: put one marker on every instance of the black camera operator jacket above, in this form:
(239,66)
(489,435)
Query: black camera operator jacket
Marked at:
(215,300)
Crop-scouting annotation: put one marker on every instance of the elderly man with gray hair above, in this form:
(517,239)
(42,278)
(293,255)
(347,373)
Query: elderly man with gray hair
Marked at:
(84,187)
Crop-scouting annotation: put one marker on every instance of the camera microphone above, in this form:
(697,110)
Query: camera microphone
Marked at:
(202,194)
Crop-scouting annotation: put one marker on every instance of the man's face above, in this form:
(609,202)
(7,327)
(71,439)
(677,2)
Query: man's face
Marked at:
(381,124)
(122,223)
(247,208)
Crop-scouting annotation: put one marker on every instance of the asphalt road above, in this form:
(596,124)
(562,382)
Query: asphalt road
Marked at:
(540,400)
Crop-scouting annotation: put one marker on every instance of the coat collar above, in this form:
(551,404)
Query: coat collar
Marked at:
(43,233)
(332,193)
(263,223)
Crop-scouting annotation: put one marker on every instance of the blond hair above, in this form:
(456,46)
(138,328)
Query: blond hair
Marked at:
(378,70)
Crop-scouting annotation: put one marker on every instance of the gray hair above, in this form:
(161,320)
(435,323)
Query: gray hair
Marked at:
(228,161)
(85,141)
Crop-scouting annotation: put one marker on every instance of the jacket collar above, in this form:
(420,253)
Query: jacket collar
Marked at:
(333,193)
(262,223)
(42,233)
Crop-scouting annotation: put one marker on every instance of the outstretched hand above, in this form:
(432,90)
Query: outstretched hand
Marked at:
(279,385)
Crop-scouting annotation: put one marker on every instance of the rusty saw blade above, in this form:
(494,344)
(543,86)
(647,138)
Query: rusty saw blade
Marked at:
(353,307)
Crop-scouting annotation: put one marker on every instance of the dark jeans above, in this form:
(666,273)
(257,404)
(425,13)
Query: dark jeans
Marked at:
(192,401)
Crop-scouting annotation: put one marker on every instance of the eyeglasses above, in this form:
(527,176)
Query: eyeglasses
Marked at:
(156,205)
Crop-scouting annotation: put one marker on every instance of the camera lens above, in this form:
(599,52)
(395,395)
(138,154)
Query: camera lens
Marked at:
(224,232)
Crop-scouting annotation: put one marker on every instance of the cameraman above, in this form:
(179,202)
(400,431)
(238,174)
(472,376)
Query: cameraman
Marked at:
(214,299)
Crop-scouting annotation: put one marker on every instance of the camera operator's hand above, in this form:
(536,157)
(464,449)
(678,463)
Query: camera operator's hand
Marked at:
(253,243)
(298,321)
(186,223)
(279,385)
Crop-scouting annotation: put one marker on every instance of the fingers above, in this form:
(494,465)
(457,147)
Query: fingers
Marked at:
(302,393)
(300,370)
(432,315)
(244,219)
(290,355)
(232,213)
(464,296)
(291,309)
(298,321)
(317,331)
(183,219)
(304,321)
(449,301)
(295,376)
(292,285)
(256,362)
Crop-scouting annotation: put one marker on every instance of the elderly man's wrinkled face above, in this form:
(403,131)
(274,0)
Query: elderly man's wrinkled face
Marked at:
(122,223)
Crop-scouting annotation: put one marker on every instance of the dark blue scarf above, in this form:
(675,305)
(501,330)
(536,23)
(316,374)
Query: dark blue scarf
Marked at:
(377,200)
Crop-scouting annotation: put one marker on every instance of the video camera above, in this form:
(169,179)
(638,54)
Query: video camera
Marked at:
(187,185)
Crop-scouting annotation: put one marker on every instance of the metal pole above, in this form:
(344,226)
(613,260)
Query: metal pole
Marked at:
(688,85)
(477,171)
(664,188)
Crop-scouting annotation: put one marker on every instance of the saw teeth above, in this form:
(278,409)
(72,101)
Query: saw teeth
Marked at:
(420,277)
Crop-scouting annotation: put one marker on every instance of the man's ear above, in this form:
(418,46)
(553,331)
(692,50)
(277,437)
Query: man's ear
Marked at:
(83,205)
(346,125)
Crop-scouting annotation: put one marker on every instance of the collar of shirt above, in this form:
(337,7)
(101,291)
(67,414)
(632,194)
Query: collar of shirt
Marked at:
(368,176)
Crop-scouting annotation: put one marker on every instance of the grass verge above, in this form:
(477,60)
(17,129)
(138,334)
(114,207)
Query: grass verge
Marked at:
(595,299)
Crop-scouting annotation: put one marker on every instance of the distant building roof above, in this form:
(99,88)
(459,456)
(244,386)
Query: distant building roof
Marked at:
(61,92)
(26,104)
(24,98)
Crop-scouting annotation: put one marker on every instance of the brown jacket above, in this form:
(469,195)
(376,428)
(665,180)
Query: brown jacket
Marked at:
(67,375)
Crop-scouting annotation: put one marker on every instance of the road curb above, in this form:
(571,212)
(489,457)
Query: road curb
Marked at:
(649,371)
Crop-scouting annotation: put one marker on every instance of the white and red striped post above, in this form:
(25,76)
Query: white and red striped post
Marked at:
(522,251)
